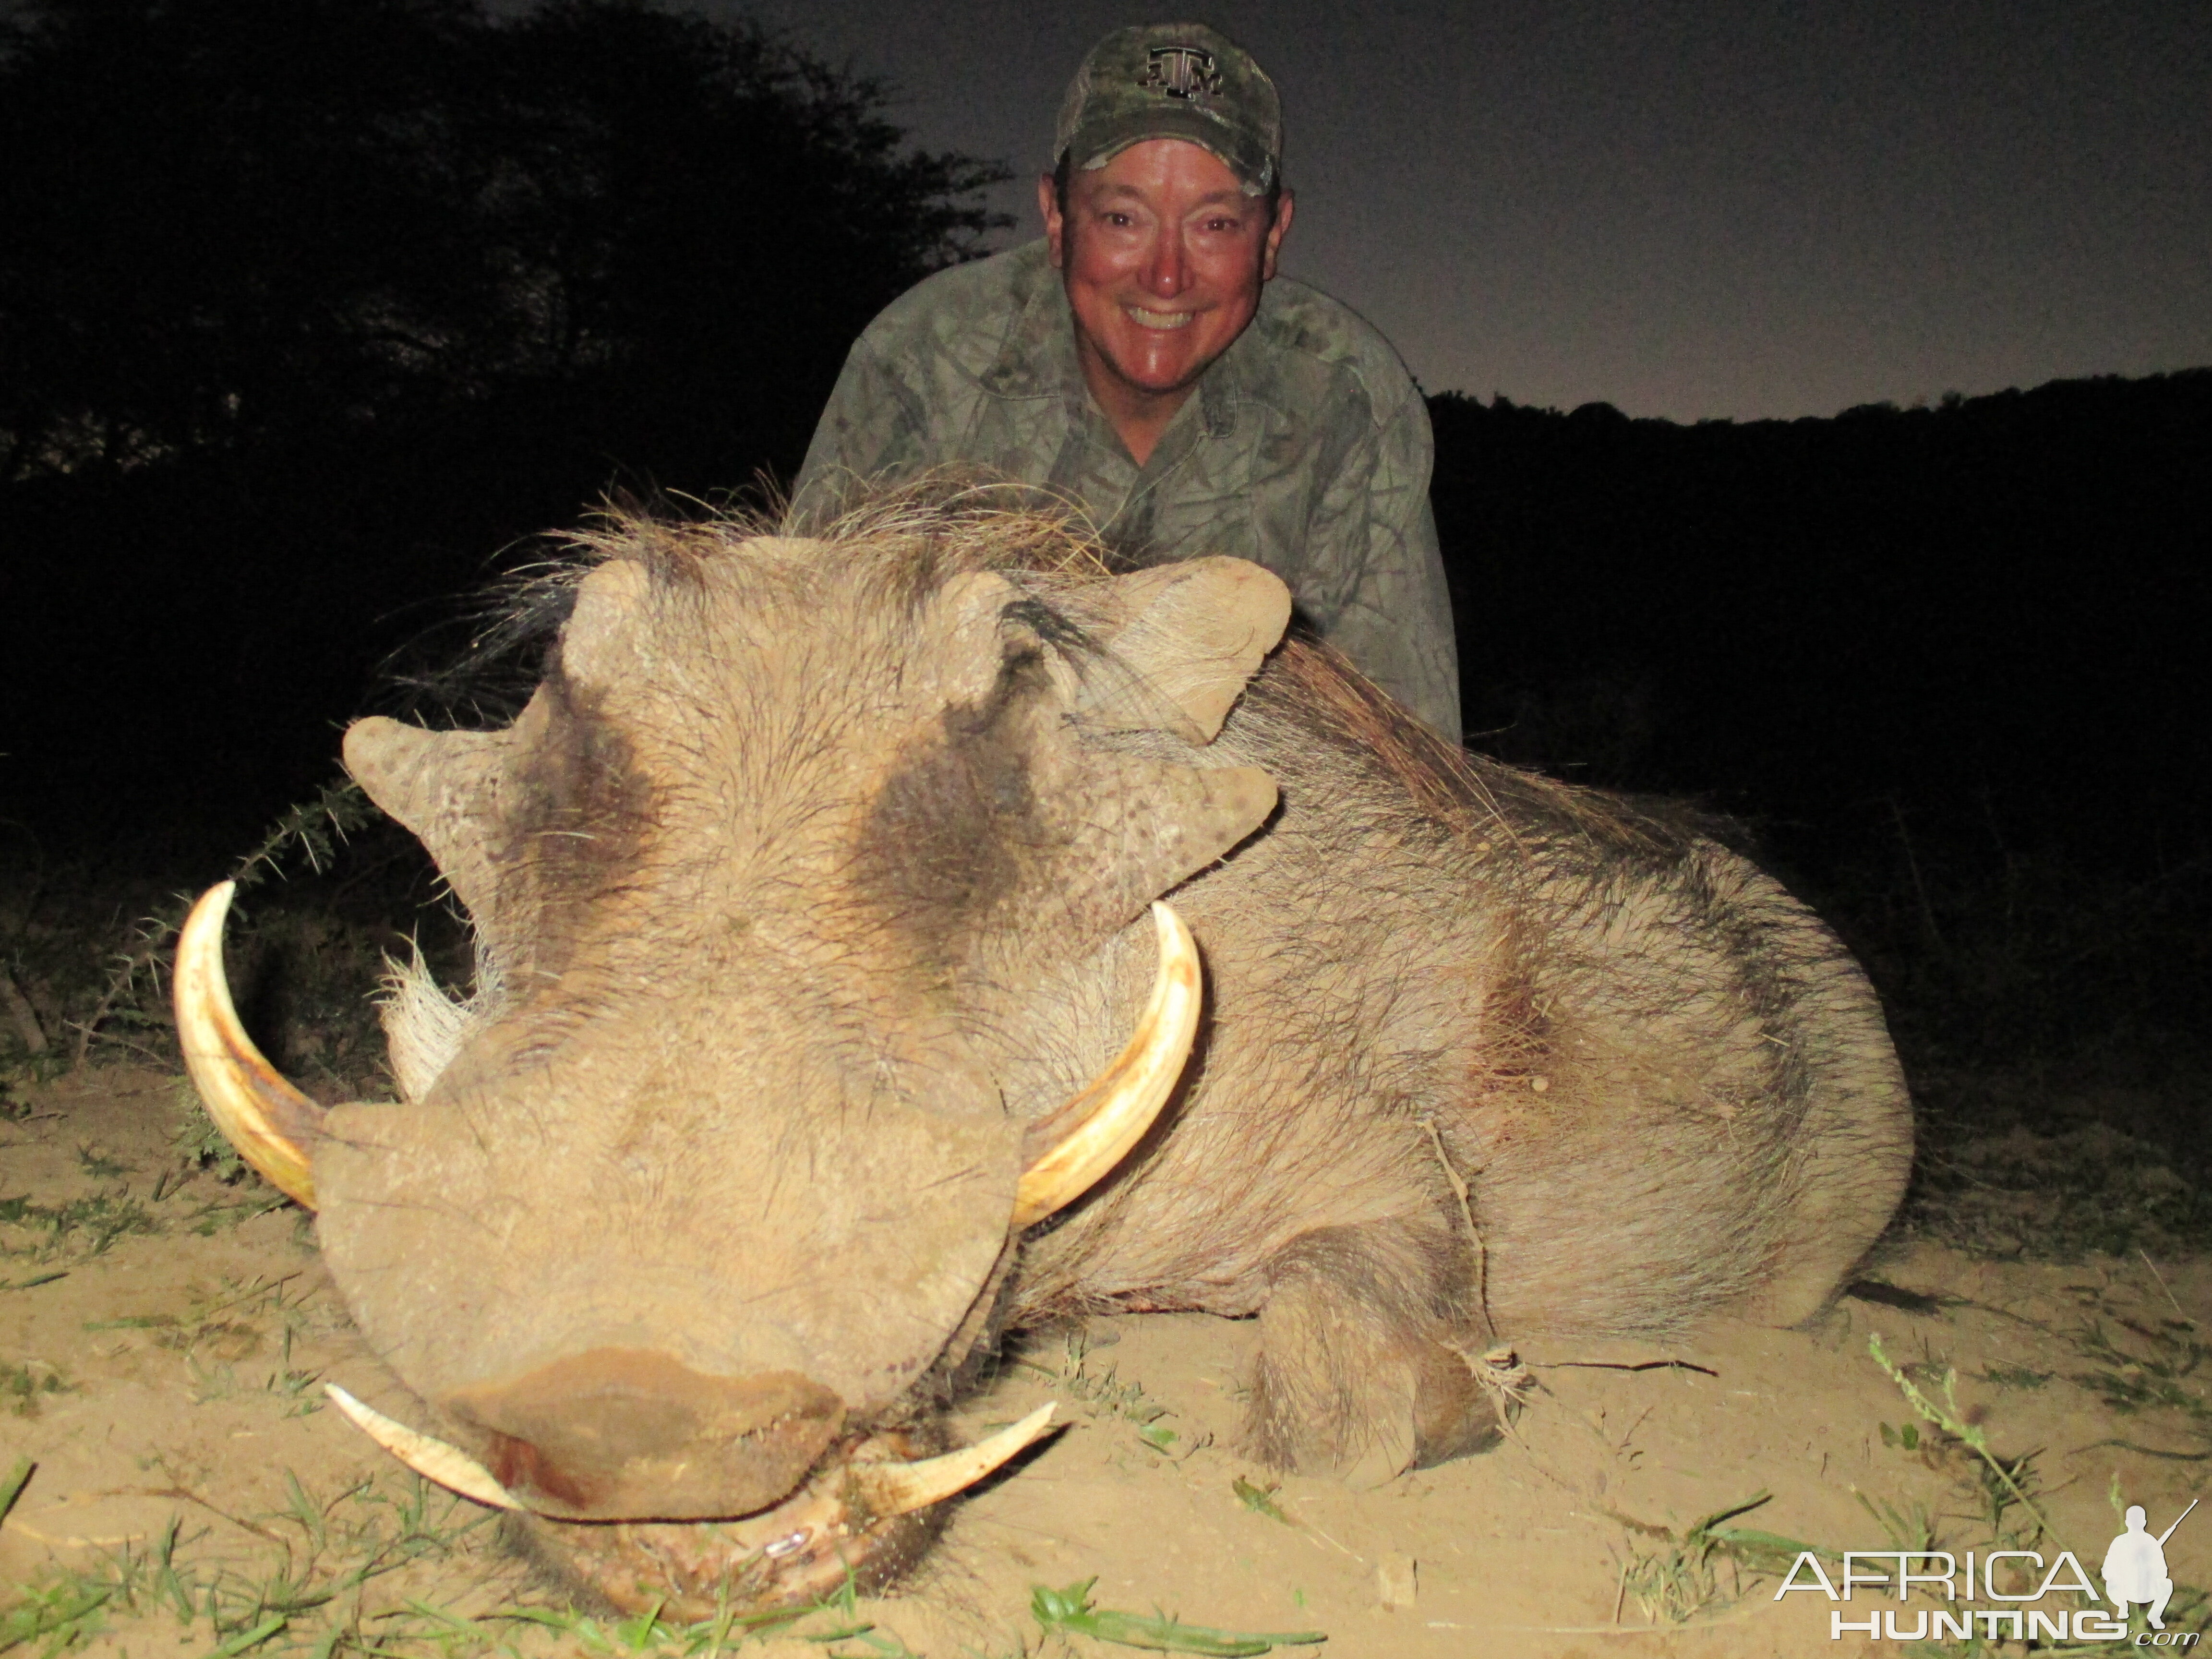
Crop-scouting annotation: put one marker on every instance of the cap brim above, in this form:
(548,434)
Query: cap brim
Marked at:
(1099,142)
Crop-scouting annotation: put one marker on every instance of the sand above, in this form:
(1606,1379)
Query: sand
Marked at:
(167,1384)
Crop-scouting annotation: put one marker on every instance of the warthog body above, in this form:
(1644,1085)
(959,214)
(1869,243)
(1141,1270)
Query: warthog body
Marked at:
(817,871)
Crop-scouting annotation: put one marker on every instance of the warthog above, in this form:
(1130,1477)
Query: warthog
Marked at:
(815,895)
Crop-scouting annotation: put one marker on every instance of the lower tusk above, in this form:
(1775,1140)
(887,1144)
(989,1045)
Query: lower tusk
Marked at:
(264,1117)
(888,1489)
(431,1459)
(1080,1143)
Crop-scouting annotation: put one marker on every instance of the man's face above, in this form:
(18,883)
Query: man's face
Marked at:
(1163,255)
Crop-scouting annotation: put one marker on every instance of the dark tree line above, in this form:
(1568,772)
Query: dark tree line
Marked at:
(241,227)
(307,308)
(1983,620)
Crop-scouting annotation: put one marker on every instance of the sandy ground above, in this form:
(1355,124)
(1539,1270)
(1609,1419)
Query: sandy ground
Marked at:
(163,1344)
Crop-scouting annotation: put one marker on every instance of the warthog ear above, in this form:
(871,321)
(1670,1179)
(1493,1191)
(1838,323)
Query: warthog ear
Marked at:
(596,642)
(443,786)
(448,787)
(1195,632)
(1001,810)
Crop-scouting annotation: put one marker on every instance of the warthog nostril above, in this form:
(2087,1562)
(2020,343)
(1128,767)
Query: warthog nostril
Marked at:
(624,1433)
(521,1466)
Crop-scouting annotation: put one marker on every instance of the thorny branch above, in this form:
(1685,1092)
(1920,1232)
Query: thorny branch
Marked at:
(313,830)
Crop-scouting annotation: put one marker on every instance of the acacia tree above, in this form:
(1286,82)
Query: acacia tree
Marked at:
(308,307)
(223,221)
(239,224)
(700,220)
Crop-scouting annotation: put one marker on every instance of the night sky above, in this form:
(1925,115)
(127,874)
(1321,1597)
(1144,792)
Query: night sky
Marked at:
(1724,208)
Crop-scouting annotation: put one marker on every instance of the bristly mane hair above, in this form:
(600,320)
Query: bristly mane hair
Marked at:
(916,536)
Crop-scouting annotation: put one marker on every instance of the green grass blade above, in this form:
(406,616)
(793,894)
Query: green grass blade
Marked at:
(1260,1500)
(1070,1609)
(1713,1520)
(248,1638)
(12,1487)
(1749,1542)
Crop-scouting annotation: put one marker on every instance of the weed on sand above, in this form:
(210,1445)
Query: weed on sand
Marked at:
(2138,1366)
(372,1571)
(1102,1394)
(2135,1365)
(306,1575)
(1070,1610)
(1673,1579)
(24,1388)
(75,1230)
(2003,1503)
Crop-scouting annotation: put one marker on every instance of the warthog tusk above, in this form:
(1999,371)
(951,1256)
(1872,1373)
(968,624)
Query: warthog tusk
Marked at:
(883,1489)
(888,1489)
(264,1117)
(431,1459)
(1076,1147)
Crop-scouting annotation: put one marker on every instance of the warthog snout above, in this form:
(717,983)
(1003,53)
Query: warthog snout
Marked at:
(624,1433)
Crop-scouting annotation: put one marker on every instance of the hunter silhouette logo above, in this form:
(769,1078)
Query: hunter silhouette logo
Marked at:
(2134,1566)
(1181,71)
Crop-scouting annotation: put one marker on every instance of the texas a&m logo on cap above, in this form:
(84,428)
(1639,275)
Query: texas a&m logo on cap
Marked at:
(1181,71)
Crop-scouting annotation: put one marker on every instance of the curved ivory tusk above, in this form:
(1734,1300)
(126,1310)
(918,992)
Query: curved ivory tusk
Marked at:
(431,1459)
(888,1489)
(264,1117)
(1076,1147)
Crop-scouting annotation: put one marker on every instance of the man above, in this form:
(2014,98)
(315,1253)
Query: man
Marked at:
(1143,363)
(2134,1566)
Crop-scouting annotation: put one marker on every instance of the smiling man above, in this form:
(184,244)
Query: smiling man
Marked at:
(1145,363)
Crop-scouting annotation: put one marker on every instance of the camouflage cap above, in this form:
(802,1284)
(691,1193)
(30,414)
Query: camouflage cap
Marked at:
(1173,80)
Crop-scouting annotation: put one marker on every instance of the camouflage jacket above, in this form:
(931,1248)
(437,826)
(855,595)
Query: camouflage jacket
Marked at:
(1306,449)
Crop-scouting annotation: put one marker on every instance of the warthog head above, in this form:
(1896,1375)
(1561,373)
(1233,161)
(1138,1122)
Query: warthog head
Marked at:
(695,1212)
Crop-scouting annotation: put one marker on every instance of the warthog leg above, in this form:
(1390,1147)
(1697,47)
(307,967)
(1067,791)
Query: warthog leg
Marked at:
(1362,1367)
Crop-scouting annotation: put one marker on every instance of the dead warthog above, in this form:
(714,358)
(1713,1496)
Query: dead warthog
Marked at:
(815,893)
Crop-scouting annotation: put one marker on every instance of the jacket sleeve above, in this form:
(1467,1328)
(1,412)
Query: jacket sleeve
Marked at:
(870,430)
(1382,598)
